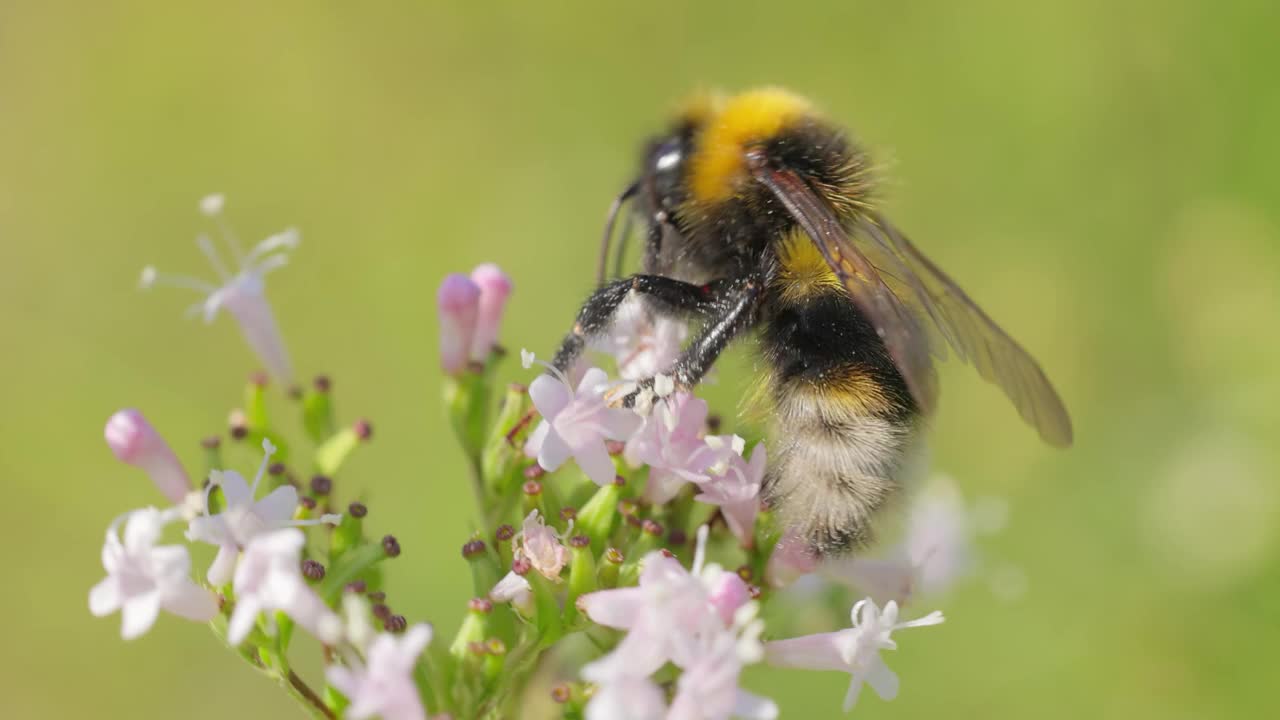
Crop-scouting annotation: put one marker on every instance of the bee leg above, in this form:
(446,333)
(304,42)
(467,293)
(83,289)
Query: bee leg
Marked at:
(667,295)
(734,310)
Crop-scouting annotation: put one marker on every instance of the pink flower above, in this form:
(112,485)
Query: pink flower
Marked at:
(142,579)
(576,424)
(665,613)
(458,302)
(385,686)
(242,292)
(936,551)
(269,578)
(541,546)
(136,442)
(855,651)
(495,287)
(734,484)
(671,444)
(244,518)
(643,344)
(708,687)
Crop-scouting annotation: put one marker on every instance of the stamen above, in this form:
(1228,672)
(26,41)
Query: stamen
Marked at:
(230,237)
(151,278)
(268,264)
(287,239)
(268,450)
(700,549)
(206,246)
(528,360)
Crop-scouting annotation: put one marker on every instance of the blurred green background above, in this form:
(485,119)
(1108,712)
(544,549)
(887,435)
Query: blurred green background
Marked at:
(1102,178)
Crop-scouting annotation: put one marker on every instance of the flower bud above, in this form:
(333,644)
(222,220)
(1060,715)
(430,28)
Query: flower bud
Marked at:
(503,460)
(611,563)
(334,452)
(317,410)
(349,533)
(135,441)
(255,402)
(495,288)
(458,303)
(582,569)
(474,628)
(596,518)
(485,572)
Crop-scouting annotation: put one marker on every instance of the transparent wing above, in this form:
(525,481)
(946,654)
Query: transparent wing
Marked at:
(918,310)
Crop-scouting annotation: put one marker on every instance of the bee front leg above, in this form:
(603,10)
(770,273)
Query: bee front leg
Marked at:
(667,294)
(734,311)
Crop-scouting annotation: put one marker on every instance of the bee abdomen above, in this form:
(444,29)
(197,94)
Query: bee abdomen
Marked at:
(833,463)
(844,423)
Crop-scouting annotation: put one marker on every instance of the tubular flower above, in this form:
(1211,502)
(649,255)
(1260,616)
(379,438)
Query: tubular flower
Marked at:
(244,517)
(384,686)
(495,287)
(143,578)
(642,343)
(241,290)
(269,578)
(136,442)
(855,650)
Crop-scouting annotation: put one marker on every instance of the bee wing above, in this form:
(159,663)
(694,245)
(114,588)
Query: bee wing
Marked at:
(918,310)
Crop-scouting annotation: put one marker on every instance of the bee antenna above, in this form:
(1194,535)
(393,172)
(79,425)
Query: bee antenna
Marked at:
(614,208)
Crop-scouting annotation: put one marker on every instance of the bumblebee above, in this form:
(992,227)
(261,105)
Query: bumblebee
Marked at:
(759,216)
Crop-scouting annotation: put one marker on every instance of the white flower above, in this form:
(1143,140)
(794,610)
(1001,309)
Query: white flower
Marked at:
(269,577)
(143,578)
(576,424)
(244,518)
(384,686)
(242,292)
(855,651)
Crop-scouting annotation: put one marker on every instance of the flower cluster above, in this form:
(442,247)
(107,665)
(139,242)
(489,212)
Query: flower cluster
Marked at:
(641,530)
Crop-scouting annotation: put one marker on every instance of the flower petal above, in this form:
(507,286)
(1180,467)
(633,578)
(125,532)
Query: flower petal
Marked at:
(553,452)
(594,459)
(277,508)
(105,597)
(242,619)
(224,565)
(754,707)
(234,488)
(139,614)
(810,652)
(549,395)
(613,608)
(883,680)
(191,601)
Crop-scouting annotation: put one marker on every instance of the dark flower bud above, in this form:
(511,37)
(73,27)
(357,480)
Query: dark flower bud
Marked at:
(395,624)
(390,546)
(364,429)
(321,485)
(312,570)
(357,510)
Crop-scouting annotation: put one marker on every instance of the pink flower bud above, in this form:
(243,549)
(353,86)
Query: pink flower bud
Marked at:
(135,442)
(495,287)
(458,302)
